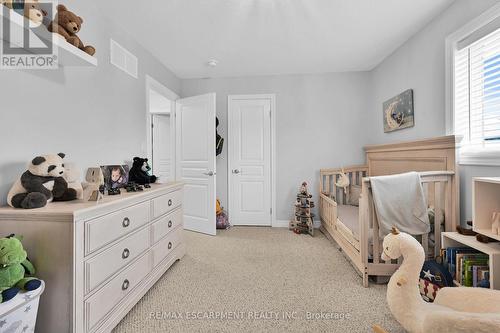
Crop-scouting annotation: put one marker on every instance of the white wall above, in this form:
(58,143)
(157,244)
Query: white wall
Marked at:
(94,115)
(319,124)
(420,64)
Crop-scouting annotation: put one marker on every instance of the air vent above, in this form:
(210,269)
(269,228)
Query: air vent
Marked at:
(123,59)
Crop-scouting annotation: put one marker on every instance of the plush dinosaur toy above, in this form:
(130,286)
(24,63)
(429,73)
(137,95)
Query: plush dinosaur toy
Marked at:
(16,272)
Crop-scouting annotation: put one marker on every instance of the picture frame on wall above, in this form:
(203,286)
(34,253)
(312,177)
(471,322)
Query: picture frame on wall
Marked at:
(398,112)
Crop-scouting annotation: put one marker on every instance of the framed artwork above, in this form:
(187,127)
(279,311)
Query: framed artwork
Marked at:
(115,176)
(398,112)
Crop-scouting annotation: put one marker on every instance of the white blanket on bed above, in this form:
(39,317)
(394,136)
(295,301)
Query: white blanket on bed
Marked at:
(400,202)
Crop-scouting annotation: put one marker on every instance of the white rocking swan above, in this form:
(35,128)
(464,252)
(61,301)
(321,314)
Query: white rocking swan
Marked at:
(457,310)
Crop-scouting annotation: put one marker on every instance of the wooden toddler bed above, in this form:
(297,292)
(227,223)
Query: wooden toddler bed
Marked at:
(356,229)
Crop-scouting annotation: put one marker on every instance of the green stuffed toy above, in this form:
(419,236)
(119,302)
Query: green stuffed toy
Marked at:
(16,272)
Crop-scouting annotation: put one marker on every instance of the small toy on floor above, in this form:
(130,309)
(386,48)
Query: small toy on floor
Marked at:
(302,223)
(222,220)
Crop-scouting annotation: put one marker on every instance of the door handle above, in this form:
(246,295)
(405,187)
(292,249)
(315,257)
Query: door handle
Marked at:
(210,173)
(236,171)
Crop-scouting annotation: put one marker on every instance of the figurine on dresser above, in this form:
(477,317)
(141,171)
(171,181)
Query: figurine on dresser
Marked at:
(93,189)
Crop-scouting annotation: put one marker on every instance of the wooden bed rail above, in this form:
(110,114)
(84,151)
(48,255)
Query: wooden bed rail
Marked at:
(437,186)
(329,177)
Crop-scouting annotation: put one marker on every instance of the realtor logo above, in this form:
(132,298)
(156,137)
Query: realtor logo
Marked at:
(27,43)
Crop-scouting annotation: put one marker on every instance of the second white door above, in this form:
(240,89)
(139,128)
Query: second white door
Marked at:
(162,147)
(249,149)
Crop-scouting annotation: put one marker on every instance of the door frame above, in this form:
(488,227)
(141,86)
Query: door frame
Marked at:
(271,97)
(153,84)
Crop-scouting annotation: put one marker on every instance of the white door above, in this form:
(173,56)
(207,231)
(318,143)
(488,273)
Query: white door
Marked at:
(195,132)
(162,147)
(249,160)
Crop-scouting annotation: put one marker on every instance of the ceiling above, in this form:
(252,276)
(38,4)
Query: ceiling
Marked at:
(262,37)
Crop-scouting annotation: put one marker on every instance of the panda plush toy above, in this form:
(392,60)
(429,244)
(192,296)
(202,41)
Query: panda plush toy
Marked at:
(43,182)
(139,173)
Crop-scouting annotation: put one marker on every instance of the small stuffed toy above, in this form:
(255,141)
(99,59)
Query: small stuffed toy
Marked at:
(28,8)
(68,24)
(16,272)
(139,173)
(94,181)
(72,176)
(43,182)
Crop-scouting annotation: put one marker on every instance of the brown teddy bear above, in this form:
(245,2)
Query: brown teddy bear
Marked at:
(28,8)
(68,24)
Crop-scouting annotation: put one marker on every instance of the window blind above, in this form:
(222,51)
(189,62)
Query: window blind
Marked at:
(477,91)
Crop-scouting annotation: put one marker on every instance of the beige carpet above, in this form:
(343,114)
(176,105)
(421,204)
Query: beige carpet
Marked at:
(262,280)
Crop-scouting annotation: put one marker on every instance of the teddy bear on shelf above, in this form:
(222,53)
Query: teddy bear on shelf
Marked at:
(68,24)
(16,271)
(28,8)
(43,182)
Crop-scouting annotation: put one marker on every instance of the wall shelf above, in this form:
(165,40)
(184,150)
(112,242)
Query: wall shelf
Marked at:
(485,201)
(67,54)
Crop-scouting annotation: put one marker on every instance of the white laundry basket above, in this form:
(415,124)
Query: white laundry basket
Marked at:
(18,315)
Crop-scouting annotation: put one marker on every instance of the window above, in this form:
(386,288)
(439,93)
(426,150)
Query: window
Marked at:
(477,92)
(475,89)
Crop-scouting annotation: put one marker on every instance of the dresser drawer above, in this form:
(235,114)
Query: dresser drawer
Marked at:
(105,264)
(99,305)
(166,203)
(166,224)
(167,245)
(108,228)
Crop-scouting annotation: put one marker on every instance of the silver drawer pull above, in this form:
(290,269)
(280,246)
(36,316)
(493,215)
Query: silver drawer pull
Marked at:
(169,245)
(126,253)
(170,224)
(125,284)
(126,222)
(169,202)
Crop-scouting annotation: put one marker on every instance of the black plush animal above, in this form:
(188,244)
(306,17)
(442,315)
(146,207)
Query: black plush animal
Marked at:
(139,173)
(43,182)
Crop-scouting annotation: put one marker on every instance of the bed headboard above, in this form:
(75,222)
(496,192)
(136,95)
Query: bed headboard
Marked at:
(436,154)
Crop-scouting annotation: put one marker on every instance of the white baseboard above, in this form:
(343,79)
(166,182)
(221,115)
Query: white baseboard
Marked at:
(285,223)
(280,224)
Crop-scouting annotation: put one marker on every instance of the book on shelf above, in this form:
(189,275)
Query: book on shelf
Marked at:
(468,266)
(478,274)
(451,256)
(461,259)
(467,270)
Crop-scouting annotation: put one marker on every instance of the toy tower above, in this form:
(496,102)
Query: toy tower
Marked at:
(302,223)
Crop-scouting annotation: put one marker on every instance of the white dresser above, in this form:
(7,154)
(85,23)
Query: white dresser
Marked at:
(98,260)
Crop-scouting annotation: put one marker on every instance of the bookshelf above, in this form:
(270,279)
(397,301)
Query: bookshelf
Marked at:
(454,239)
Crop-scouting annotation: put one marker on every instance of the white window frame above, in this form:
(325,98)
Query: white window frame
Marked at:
(481,156)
